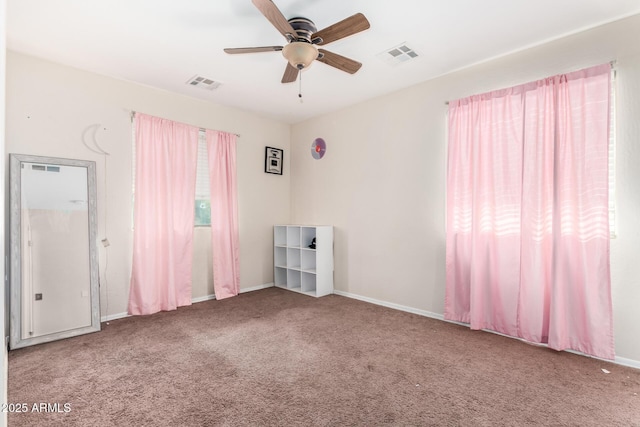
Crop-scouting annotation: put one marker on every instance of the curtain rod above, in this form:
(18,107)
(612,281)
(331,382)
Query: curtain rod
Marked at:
(133,114)
(612,63)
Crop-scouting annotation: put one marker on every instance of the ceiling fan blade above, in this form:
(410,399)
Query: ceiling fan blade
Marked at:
(273,14)
(338,61)
(346,27)
(234,50)
(290,74)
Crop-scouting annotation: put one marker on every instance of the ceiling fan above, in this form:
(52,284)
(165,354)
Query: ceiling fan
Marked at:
(303,37)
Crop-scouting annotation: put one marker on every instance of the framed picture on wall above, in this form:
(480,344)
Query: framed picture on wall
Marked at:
(273,160)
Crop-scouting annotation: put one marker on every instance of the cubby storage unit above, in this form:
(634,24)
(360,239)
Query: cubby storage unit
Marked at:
(298,267)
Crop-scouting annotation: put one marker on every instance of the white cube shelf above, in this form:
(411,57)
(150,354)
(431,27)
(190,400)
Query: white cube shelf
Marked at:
(308,260)
(280,276)
(298,267)
(293,237)
(280,237)
(280,256)
(293,279)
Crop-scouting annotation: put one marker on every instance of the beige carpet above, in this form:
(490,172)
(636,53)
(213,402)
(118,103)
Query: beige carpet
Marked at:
(277,358)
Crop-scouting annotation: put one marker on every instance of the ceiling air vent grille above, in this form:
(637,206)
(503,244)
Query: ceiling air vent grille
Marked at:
(203,82)
(398,54)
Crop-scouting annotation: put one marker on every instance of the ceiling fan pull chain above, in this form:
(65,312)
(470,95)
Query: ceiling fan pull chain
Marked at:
(300,86)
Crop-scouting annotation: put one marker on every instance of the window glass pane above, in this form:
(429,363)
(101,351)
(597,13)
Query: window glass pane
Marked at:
(203,213)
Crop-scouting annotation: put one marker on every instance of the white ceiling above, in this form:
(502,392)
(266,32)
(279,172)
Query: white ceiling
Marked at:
(163,43)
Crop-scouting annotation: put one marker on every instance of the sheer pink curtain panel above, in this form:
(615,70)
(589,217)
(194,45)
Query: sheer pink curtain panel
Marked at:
(166,156)
(527,212)
(225,240)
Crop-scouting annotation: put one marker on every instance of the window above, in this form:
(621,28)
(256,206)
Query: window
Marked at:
(528,204)
(203,201)
(202,217)
(612,155)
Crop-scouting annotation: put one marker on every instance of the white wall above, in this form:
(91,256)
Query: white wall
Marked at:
(382,180)
(49,106)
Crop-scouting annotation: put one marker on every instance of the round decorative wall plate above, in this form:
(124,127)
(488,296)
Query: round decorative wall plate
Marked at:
(318,148)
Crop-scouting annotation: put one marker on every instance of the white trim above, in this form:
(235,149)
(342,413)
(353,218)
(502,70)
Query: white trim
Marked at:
(391,305)
(257,288)
(627,362)
(618,360)
(203,299)
(115,316)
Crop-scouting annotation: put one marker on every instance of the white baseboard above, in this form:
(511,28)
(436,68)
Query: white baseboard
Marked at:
(257,288)
(391,305)
(193,301)
(627,362)
(114,316)
(202,299)
(618,360)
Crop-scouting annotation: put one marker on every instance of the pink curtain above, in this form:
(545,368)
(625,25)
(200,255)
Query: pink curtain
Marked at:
(166,156)
(527,212)
(225,241)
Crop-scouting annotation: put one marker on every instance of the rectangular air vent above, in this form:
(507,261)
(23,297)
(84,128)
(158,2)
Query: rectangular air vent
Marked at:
(203,82)
(398,54)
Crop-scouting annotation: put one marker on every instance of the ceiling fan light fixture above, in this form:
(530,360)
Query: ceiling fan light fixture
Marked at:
(300,54)
(302,37)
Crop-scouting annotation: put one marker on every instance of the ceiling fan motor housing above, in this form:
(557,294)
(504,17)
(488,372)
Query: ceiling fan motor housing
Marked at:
(300,52)
(304,27)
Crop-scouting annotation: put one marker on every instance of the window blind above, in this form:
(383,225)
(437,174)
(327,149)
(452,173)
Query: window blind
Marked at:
(202,170)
